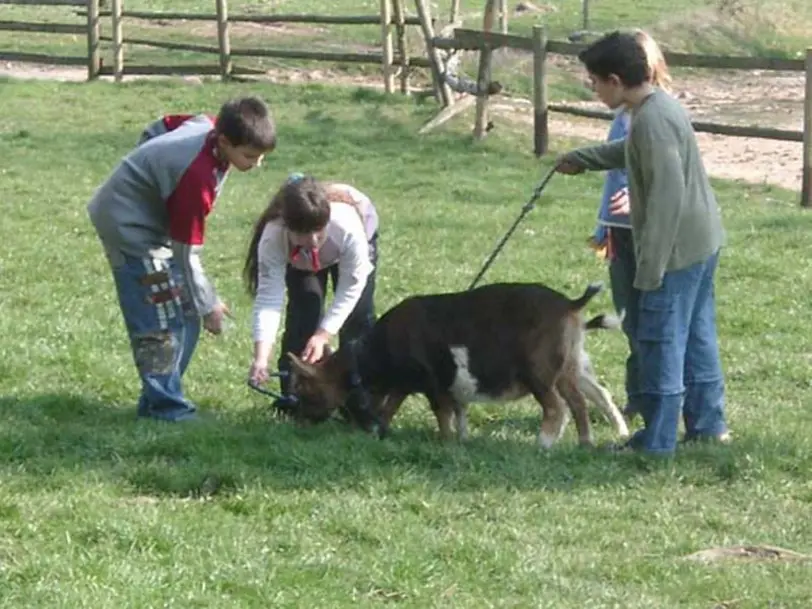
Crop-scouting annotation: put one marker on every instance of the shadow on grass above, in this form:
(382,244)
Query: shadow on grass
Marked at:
(48,436)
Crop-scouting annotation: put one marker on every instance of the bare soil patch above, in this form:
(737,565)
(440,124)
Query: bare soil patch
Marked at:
(771,99)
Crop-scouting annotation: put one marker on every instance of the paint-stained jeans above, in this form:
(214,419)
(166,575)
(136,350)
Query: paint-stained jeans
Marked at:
(163,332)
(679,364)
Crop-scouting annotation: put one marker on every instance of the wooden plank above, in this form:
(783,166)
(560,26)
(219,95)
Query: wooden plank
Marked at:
(45,2)
(699,126)
(387,46)
(484,74)
(223,40)
(447,113)
(541,134)
(503,16)
(179,70)
(174,46)
(455,10)
(93,31)
(278,53)
(441,89)
(692,60)
(325,56)
(806,174)
(51,28)
(400,20)
(43,58)
(118,41)
(476,39)
(317,19)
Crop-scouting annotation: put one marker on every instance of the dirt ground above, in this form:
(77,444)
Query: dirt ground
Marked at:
(766,99)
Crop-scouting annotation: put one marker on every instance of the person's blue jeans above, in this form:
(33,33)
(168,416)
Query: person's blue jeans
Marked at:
(678,360)
(622,267)
(163,330)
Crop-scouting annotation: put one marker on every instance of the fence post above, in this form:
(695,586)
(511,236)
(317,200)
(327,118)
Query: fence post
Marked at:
(541,135)
(403,51)
(223,40)
(806,175)
(118,41)
(503,16)
(585,11)
(484,75)
(441,89)
(386,46)
(455,11)
(93,58)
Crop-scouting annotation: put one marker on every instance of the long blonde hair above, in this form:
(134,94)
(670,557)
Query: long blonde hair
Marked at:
(659,75)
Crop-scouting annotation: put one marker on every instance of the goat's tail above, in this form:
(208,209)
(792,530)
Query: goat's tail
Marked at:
(606,321)
(591,290)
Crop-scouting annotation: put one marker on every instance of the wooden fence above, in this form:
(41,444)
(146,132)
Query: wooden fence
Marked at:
(486,41)
(90,29)
(392,20)
(392,15)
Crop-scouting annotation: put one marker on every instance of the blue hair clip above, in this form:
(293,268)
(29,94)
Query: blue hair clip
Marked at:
(294,177)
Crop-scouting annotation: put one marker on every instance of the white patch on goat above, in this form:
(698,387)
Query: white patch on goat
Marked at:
(465,387)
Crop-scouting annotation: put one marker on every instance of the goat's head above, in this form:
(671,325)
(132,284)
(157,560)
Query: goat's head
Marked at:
(329,385)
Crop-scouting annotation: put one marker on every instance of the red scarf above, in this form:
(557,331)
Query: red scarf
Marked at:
(314,255)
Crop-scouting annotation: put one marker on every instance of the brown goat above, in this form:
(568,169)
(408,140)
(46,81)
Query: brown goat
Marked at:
(499,342)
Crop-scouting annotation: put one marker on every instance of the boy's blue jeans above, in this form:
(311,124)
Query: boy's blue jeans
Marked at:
(679,368)
(163,331)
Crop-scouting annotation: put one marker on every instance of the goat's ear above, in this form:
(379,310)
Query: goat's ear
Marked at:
(301,368)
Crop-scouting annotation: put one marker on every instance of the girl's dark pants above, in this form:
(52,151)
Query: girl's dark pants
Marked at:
(305,307)
(622,268)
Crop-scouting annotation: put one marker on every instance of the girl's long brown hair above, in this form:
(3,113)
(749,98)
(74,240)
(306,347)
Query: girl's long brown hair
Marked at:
(303,205)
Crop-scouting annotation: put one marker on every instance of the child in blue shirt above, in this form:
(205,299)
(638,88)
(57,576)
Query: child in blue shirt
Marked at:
(612,237)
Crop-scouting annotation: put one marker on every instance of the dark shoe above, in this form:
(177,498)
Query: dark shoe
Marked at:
(171,416)
(723,438)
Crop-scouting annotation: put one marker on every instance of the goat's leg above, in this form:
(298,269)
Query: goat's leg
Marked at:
(389,405)
(444,407)
(461,417)
(598,395)
(567,384)
(553,414)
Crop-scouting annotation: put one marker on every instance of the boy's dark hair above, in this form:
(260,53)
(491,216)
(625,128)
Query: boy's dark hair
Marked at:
(617,53)
(246,121)
(303,206)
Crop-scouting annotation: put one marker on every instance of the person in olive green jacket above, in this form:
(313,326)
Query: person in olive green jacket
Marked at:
(677,232)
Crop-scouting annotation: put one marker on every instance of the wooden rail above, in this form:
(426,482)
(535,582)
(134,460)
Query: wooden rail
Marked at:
(465,39)
(315,19)
(53,28)
(486,41)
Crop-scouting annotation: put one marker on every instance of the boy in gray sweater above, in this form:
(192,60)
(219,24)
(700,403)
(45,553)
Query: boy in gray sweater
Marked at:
(677,232)
(150,215)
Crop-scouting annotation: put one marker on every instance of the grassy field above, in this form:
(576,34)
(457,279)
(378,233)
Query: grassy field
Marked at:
(240,510)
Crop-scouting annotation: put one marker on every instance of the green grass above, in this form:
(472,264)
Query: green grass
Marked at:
(239,510)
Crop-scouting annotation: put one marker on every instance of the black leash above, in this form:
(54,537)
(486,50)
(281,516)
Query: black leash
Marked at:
(525,210)
(286,399)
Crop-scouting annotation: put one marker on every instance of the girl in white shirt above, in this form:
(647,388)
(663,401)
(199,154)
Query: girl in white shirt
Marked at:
(309,231)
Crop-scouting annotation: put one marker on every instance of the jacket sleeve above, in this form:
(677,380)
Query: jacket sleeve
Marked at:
(354,268)
(663,198)
(165,124)
(611,155)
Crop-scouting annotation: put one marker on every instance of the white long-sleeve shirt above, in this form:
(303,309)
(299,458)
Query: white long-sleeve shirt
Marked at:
(345,244)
